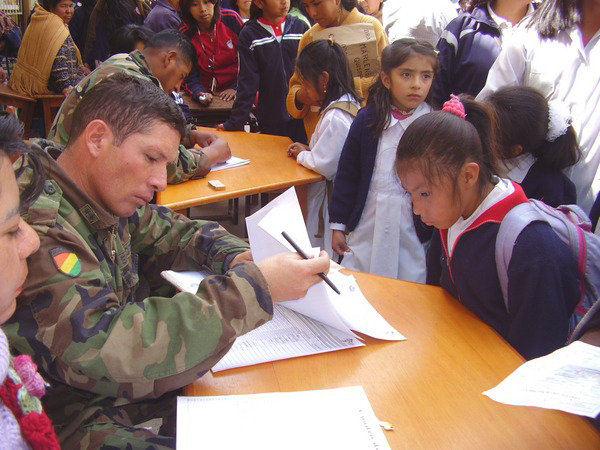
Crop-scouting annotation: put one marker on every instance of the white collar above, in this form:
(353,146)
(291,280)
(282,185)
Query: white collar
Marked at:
(502,22)
(518,167)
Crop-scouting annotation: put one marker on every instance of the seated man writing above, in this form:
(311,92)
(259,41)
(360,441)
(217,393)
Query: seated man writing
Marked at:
(166,60)
(116,341)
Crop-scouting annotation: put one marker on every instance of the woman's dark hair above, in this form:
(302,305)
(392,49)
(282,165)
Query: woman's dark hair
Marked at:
(322,55)
(393,56)
(438,144)
(470,5)
(522,117)
(553,16)
(123,39)
(348,5)
(11,144)
(184,7)
(50,4)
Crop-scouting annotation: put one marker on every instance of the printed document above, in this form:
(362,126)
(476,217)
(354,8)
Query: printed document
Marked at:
(567,379)
(326,419)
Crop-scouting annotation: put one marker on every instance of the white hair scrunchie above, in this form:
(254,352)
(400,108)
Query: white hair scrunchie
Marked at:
(559,119)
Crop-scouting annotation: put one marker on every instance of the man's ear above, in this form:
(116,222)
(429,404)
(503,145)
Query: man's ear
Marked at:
(170,57)
(97,137)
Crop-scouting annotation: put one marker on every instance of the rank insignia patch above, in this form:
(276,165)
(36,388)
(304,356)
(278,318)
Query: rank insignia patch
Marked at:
(65,261)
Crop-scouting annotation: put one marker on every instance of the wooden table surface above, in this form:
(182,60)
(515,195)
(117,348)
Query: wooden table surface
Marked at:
(429,386)
(269,169)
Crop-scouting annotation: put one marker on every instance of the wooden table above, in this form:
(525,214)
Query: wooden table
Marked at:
(270,169)
(429,387)
(215,113)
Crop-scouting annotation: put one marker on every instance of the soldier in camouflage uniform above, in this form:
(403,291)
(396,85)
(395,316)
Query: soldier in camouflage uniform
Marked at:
(166,60)
(116,342)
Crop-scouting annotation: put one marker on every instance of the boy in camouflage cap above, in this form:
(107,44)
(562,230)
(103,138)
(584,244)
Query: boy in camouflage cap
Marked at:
(115,340)
(166,60)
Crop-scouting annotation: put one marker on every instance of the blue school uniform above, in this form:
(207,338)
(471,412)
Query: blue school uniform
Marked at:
(266,67)
(543,282)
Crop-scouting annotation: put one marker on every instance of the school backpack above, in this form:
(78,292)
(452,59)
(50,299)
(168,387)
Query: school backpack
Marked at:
(573,227)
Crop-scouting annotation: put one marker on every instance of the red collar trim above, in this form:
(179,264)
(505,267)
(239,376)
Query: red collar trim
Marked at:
(277,27)
(494,214)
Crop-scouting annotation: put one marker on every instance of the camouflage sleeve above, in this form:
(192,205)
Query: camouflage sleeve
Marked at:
(191,163)
(84,334)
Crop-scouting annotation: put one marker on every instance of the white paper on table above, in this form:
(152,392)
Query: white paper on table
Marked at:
(327,419)
(234,161)
(288,335)
(567,379)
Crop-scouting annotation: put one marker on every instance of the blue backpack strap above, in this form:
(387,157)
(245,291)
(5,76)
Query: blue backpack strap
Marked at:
(511,226)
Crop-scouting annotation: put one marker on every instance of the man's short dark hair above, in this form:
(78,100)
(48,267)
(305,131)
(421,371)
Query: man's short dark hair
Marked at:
(173,39)
(128,105)
(125,38)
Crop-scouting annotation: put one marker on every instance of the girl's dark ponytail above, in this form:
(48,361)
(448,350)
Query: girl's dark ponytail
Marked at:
(522,115)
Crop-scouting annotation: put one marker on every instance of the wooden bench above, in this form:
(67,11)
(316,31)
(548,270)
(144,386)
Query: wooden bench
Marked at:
(26,105)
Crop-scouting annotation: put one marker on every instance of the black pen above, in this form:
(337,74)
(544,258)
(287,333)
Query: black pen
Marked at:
(301,253)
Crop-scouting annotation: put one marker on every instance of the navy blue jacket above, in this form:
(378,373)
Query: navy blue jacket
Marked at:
(543,282)
(549,185)
(467,49)
(266,67)
(355,170)
(595,212)
(353,177)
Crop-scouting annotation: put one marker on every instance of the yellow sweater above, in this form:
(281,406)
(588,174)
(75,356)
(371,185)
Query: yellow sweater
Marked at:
(362,84)
(43,38)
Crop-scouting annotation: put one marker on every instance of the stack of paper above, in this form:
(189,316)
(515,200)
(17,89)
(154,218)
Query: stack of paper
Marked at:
(234,161)
(328,419)
(322,321)
(567,379)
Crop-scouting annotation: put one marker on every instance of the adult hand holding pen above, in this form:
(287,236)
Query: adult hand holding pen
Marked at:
(289,275)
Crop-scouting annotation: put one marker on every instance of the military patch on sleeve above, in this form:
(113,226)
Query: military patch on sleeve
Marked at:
(65,261)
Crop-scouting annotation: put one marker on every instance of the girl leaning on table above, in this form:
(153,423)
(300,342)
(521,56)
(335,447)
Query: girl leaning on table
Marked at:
(325,75)
(214,34)
(327,14)
(23,422)
(368,202)
(447,162)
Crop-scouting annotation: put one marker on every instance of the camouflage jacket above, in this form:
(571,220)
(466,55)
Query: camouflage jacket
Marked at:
(94,311)
(191,163)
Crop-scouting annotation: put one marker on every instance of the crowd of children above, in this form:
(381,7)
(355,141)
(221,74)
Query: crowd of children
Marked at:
(421,163)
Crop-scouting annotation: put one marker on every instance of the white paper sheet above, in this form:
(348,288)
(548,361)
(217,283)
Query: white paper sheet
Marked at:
(567,379)
(327,419)
(187,281)
(288,335)
(234,161)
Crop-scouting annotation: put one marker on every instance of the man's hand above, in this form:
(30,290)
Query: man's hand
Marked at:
(338,242)
(220,127)
(289,275)
(296,148)
(202,138)
(227,95)
(241,258)
(218,151)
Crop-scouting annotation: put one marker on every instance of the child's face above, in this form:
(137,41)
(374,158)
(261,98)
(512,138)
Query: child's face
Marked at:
(273,10)
(324,12)
(202,11)
(434,203)
(314,94)
(409,83)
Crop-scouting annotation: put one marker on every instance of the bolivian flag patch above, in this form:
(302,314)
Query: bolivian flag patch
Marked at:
(65,261)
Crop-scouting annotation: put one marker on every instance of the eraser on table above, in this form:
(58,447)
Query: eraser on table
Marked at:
(216,185)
